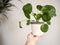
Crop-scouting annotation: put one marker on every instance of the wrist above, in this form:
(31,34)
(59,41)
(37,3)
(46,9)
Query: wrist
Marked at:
(30,43)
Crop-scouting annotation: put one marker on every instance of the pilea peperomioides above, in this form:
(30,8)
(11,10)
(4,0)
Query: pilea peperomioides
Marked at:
(47,13)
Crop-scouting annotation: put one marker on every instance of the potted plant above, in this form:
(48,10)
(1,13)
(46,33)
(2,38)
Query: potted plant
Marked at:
(42,20)
(4,7)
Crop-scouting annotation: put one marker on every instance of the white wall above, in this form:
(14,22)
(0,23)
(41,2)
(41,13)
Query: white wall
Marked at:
(13,35)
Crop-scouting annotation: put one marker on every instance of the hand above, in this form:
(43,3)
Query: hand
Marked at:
(32,39)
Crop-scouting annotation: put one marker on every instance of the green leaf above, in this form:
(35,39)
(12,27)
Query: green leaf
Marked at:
(46,18)
(27,9)
(38,16)
(39,7)
(28,22)
(49,9)
(44,28)
(20,24)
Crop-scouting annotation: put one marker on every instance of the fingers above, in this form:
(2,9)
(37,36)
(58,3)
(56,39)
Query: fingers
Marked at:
(30,35)
(36,36)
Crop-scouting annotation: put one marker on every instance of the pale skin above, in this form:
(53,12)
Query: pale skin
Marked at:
(32,39)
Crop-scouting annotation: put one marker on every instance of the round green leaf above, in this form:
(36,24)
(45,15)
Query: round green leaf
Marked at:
(39,7)
(49,9)
(27,9)
(44,28)
(38,16)
(46,18)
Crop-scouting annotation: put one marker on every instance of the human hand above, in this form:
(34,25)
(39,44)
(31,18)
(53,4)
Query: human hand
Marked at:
(32,39)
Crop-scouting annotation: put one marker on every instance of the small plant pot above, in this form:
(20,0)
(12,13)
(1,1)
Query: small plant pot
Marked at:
(35,26)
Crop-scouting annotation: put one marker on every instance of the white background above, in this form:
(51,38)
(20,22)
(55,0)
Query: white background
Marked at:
(13,35)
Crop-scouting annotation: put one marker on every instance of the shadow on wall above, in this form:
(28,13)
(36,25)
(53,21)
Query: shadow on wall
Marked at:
(2,18)
(1,40)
